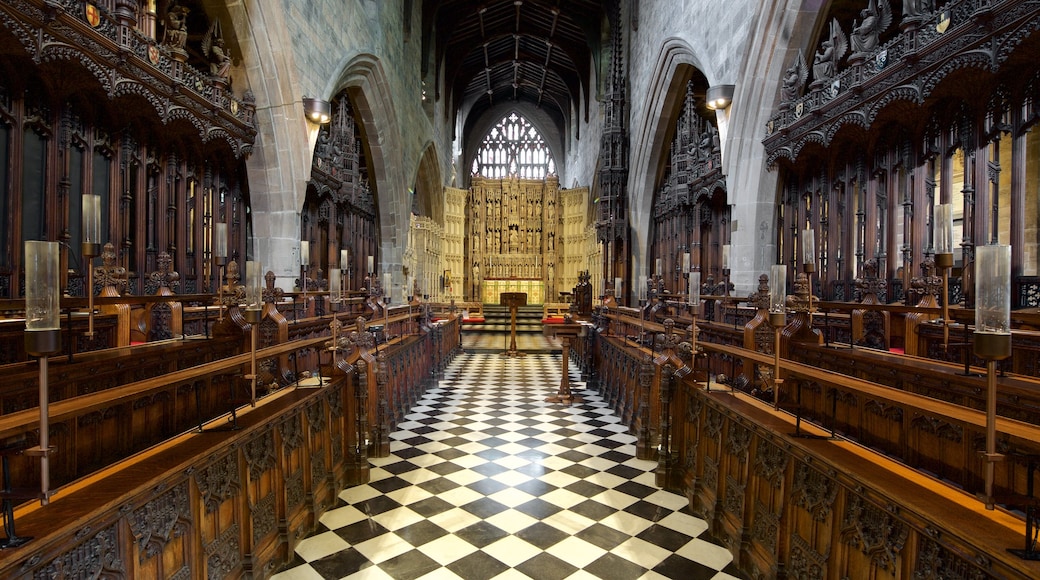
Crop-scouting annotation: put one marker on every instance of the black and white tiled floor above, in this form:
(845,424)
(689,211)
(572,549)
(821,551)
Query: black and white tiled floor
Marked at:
(486,480)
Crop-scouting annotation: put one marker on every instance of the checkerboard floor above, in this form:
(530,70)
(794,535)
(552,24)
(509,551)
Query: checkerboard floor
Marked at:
(486,480)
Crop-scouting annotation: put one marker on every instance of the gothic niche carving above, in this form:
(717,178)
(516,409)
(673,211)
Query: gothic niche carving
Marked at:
(876,532)
(219,482)
(157,522)
(814,492)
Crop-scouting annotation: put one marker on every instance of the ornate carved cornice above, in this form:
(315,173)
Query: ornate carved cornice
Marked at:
(979,34)
(125,62)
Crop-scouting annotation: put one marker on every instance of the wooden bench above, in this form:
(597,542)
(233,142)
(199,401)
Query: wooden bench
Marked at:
(554,312)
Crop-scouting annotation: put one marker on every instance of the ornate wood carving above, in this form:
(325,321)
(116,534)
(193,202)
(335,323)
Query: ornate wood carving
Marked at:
(223,555)
(875,531)
(765,527)
(157,522)
(936,561)
(260,454)
(770,463)
(805,562)
(219,481)
(813,491)
(96,557)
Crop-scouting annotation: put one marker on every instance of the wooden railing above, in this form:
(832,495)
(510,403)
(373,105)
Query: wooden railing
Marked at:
(742,462)
(240,482)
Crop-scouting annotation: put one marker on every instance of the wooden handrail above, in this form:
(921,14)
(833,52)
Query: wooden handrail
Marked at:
(27,419)
(937,407)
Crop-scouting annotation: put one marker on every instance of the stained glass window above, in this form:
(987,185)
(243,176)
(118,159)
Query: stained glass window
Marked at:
(514,147)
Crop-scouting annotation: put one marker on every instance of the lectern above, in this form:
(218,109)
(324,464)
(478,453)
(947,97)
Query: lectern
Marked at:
(565,332)
(513,300)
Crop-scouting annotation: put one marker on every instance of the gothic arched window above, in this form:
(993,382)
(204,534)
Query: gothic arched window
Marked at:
(514,147)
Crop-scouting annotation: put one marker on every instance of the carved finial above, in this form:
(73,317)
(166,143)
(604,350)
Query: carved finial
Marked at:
(271,294)
(110,273)
(164,276)
(799,301)
(869,284)
(760,299)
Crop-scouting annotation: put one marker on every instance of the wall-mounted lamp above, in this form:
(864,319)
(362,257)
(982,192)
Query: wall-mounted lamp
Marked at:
(719,96)
(317,110)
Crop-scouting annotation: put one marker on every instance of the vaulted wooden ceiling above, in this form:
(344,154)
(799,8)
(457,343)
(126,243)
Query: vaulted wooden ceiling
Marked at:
(533,51)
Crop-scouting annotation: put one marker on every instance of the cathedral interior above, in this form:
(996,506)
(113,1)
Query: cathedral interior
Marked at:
(520,289)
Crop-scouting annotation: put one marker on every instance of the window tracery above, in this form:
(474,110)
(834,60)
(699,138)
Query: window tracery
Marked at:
(514,147)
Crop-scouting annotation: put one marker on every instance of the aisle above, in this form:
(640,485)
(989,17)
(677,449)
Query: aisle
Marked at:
(485,480)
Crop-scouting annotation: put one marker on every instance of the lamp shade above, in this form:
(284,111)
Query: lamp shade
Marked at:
(719,96)
(317,110)
(695,289)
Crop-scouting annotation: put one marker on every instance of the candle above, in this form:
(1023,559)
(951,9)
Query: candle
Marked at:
(725,257)
(305,253)
(777,287)
(808,246)
(344,260)
(254,292)
(642,288)
(220,240)
(617,287)
(91,219)
(993,289)
(657,266)
(387,283)
(42,286)
(371,264)
(695,288)
(686,262)
(334,283)
(943,228)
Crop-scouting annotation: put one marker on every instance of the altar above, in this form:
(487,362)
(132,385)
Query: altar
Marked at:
(494,287)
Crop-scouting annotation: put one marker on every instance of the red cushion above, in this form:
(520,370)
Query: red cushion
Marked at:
(553,320)
(473,320)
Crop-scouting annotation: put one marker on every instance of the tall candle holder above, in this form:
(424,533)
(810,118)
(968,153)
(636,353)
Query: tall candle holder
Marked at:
(220,252)
(726,271)
(693,281)
(305,260)
(91,248)
(943,234)
(252,315)
(42,337)
(992,339)
(809,263)
(778,320)
(387,283)
(642,297)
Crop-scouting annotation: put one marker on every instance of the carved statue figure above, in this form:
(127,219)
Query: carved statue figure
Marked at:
(213,48)
(176,32)
(794,79)
(877,16)
(916,8)
(832,49)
